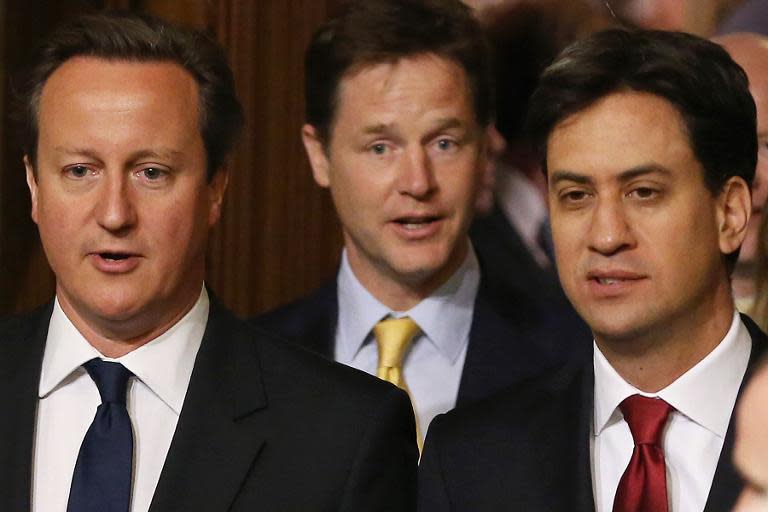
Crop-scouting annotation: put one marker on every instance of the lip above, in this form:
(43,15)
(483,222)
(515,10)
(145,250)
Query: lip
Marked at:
(123,263)
(417,227)
(613,283)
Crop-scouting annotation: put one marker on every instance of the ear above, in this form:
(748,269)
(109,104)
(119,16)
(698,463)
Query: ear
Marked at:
(217,187)
(32,185)
(318,159)
(733,209)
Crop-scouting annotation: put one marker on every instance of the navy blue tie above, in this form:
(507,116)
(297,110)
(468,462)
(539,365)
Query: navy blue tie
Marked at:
(102,478)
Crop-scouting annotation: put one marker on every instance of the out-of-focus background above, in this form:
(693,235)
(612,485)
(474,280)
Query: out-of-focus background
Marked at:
(278,237)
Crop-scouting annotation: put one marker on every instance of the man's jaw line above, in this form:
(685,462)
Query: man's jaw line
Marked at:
(116,337)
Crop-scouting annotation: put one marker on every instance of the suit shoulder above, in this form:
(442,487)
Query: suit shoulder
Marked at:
(520,405)
(308,316)
(313,374)
(21,326)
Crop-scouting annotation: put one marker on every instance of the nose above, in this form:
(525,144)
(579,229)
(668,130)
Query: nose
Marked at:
(610,231)
(115,209)
(415,174)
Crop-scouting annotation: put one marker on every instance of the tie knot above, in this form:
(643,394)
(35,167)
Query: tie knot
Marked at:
(393,336)
(110,378)
(646,418)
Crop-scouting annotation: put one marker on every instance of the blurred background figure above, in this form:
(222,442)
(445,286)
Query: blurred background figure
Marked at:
(750,16)
(750,51)
(759,310)
(751,449)
(700,17)
(512,240)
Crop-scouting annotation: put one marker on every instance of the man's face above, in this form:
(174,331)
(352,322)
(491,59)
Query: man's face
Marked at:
(402,163)
(638,236)
(120,194)
(751,449)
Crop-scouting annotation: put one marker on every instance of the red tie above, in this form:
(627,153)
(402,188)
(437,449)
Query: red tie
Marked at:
(643,486)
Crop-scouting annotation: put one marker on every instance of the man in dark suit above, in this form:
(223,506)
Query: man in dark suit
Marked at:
(128,121)
(398,103)
(650,149)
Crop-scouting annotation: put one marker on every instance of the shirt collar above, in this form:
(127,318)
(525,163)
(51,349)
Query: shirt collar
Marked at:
(164,364)
(445,317)
(700,393)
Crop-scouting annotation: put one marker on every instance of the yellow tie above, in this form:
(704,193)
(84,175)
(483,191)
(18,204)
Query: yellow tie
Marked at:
(393,337)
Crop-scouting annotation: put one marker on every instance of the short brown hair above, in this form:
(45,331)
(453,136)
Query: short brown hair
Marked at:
(119,35)
(377,31)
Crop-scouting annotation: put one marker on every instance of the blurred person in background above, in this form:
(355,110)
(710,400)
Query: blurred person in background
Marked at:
(750,51)
(751,448)
(513,240)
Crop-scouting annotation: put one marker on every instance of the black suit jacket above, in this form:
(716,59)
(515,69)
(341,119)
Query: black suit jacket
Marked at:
(512,336)
(265,426)
(508,265)
(528,449)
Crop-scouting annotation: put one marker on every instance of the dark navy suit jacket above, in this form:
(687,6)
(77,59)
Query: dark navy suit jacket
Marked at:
(512,336)
(528,448)
(265,426)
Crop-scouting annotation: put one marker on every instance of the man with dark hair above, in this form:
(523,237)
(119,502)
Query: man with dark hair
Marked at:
(398,102)
(129,121)
(649,146)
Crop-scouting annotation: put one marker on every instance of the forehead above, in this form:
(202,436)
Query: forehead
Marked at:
(623,130)
(410,86)
(92,86)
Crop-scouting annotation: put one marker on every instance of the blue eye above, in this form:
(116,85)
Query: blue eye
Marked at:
(78,171)
(445,144)
(379,149)
(152,173)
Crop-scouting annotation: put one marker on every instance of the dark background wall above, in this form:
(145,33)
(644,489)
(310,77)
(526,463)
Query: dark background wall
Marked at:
(278,237)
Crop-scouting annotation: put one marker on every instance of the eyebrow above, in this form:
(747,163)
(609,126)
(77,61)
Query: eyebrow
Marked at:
(624,176)
(439,124)
(143,153)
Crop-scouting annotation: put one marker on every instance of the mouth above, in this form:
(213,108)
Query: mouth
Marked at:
(613,281)
(115,262)
(114,256)
(416,223)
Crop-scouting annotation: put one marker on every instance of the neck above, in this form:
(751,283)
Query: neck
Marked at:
(401,292)
(654,359)
(115,339)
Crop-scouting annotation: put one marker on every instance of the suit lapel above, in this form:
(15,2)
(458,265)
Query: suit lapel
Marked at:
(727,483)
(21,356)
(221,429)
(321,333)
(496,343)
(583,491)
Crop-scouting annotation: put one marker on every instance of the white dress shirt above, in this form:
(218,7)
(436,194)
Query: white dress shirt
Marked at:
(433,365)
(703,399)
(69,398)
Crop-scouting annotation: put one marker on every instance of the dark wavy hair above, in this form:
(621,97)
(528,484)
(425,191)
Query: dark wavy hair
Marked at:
(698,77)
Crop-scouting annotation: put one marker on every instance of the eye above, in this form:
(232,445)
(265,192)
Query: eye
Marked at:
(77,171)
(644,193)
(152,173)
(574,196)
(378,149)
(446,144)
